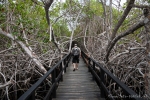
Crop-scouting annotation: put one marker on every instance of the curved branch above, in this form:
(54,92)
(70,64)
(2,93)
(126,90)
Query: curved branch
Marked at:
(140,6)
(129,31)
(46,6)
(52,36)
(125,14)
(5,85)
(27,50)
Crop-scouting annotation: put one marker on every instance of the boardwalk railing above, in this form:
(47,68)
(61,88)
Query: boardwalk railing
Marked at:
(128,94)
(30,93)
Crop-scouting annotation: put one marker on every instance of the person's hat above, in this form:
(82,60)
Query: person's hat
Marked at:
(75,44)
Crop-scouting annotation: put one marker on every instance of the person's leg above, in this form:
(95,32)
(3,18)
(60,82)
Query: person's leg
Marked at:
(73,63)
(74,66)
(77,63)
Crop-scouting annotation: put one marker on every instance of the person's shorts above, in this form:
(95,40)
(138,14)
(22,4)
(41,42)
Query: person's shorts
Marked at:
(75,59)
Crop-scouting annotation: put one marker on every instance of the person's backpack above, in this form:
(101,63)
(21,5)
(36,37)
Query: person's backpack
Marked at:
(76,51)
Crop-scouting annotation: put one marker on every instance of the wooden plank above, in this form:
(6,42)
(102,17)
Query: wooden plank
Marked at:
(78,85)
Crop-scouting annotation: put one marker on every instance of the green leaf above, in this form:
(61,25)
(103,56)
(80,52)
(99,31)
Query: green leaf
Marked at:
(15,33)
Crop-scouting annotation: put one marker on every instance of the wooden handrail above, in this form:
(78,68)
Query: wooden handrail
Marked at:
(30,93)
(129,94)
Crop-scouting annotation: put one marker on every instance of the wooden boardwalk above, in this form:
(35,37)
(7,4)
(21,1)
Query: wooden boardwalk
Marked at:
(78,85)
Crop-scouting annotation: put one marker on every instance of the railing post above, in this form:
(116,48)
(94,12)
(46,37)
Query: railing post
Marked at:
(93,69)
(65,65)
(53,81)
(67,62)
(32,97)
(89,63)
(61,69)
(103,81)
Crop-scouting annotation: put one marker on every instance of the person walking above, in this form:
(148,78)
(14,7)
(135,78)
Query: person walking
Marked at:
(76,52)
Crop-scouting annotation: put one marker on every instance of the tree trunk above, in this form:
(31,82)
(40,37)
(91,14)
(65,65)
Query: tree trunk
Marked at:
(104,14)
(74,29)
(27,50)
(110,20)
(47,5)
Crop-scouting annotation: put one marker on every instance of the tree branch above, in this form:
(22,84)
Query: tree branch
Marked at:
(125,14)
(27,50)
(140,6)
(46,6)
(6,84)
(129,31)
